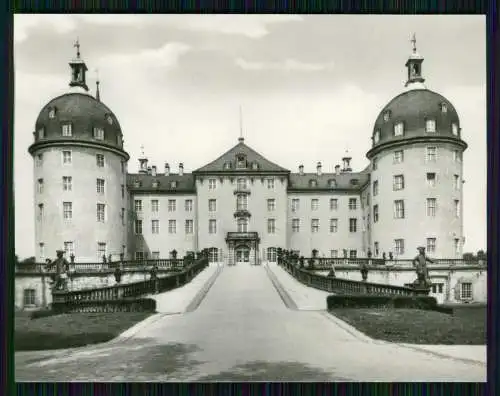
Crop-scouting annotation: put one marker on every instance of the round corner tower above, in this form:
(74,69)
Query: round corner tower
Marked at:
(416,172)
(79,174)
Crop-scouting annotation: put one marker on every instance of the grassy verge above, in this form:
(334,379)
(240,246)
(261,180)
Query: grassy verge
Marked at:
(466,326)
(71,330)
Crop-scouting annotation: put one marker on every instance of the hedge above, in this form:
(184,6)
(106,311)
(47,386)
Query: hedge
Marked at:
(122,305)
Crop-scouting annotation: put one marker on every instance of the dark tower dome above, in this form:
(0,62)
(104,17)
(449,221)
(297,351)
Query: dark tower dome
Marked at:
(77,116)
(416,114)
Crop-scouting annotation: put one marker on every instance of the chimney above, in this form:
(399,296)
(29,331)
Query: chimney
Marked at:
(167,169)
(153,170)
(337,170)
(347,164)
(318,168)
(149,170)
(181,169)
(301,170)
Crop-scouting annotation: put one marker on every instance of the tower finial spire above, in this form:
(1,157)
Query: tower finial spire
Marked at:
(414,66)
(78,69)
(241,138)
(414,42)
(97,82)
(77,45)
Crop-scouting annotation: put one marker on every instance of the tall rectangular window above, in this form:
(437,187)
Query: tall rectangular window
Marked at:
(212,183)
(171,205)
(242,224)
(241,202)
(398,182)
(188,205)
(101,250)
(138,227)
(242,184)
(353,203)
(123,191)
(139,256)
(399,129)
(431,153)
(172,227)
(66,157)
(399,209)
(67,183)
(398,157)
(189,227)
(457,156)
(138,206)
(212,226)
(271,205)
(41,133)
(40,186)
(431,245)
(456,182)
(353,225)
(271,226)
(100,186)
(430,126)
(41,250)
(67,210)
(334,253)
(334,225)
(270,184)
(155,206)
(69,248)
(295,225)
(295,204)
(155,226)
(399,246)
(431,179)
(67,130)
(431,207)
(334,203)
(375,188)
(98,133)
(99,158)
(314,204)
(314,225)
(457,207)
(212,205)
(101,213)
(353,254)
(40,212)
(29,297)
(466,290)
(375,213)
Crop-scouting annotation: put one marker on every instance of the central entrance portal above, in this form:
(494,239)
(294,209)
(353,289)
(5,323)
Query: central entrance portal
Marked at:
(242,255)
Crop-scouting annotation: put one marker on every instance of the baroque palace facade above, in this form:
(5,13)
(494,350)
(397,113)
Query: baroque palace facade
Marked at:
(242,206)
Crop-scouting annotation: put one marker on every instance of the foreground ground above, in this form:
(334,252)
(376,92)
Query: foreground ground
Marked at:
(466,326)
(74,330)
(243,331)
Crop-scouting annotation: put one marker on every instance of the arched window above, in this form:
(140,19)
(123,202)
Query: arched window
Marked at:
(242,225)
(271,254)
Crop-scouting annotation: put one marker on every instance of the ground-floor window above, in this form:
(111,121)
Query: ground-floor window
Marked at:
(155,255)
(213,255)
(353,254)
(139,255)
(29,297)
(466,291)
(437,288)
(271,254)
(334,253)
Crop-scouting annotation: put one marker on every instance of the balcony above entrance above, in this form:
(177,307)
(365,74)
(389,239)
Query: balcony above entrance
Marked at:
(242,213)
(242,236)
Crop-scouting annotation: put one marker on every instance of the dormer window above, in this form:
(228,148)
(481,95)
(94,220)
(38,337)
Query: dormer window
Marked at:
(454,129)
(354,182)
(173,184)
(41,133)
(387,115)
(376,136)
(240,162)
(430,126)
(52,113)
(227,165)
(98,133)
(119,140)
(255,166)
(109,119)
(313,183)
(67,129)
(332,183)
(137,183)
(156,183)
(399,129)
(444,108)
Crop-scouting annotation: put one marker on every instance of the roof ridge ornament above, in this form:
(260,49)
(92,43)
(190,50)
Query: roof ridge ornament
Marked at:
(241,139)
(414,66)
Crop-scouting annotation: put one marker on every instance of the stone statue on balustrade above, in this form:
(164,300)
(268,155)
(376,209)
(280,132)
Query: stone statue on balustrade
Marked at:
(420,264)
(62,268)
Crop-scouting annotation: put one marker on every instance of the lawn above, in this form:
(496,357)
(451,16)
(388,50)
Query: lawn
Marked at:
(466,326)
(71,330)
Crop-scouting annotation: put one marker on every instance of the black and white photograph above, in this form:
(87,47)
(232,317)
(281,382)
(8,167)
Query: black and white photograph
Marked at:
(232,197)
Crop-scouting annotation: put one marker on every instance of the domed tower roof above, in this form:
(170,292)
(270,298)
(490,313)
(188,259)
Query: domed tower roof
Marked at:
(78,117)
(418,114)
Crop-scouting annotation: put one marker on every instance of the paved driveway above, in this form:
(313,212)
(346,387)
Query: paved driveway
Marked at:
(241,331)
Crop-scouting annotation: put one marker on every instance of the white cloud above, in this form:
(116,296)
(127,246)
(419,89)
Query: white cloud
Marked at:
(286,65)
(59,23)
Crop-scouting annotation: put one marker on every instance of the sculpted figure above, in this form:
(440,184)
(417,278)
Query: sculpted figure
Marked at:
(420,264)
(62,267)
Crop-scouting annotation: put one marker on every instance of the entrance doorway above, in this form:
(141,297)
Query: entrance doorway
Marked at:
(242,255)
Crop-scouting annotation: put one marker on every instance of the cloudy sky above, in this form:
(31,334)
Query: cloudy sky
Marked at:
(310,87)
